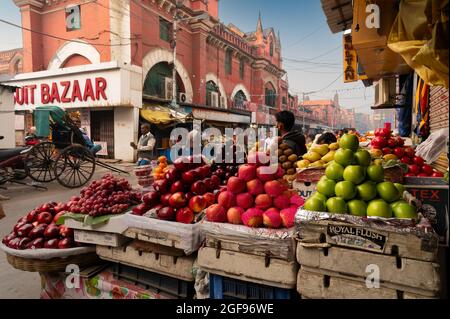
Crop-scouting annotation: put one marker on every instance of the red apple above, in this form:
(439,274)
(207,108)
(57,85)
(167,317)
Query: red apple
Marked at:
(281,202)
(37,231)
(400,141)
(423,175)
(176,187)
(263,174)
(37,243)
(9,237)
(405,160)
(263,201)
(140,209)
(178,200)
(161,186)
(247,172)
(392,143)
(190,177)
(413,169)
(272,218)
(379,142)
(65,232)
(151,198)
(255,187)
(18,225)
(24,230)
(51,243)
(427,169)
(205,171)
(209,185)
(52,231)
(32,216)
(236,185)
(197,204)
(215,181)
(399,152)
(209,198)
(274,188)
(189,195)
(57,216)
(409,151)
(172,175)
(199,188)
(226,199)
(181,164)
(253,217)
(44,208)
(185,216)
(234,215)
(288,217)
(166,213)
(165,199)
(418,161)
(66,243)
(387,150)
(244,200)
(23,243)
(437,175)
(216,213)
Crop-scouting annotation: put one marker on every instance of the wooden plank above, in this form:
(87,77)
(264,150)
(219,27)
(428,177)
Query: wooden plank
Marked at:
(100,238)
(155,237)
(288,253)
(311,285)
(278,273)
(403,245)
(412,275)
(172,266)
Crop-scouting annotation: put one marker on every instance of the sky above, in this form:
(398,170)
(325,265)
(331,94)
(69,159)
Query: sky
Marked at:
(304,33)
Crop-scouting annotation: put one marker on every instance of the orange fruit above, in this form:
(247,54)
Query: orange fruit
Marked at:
(158,170)
(162,165)
(162,159)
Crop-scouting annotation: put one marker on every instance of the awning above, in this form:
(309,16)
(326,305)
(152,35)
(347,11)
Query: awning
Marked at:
(163,115)
(339,14)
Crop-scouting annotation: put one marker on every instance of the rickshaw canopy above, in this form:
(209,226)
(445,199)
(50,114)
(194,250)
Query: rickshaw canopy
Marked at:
(43,115)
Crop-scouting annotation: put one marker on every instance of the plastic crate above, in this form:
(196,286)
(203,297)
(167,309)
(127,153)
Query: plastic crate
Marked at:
(172,287)
(228,288)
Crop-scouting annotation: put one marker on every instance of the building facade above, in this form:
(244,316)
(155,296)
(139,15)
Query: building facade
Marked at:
(108,59)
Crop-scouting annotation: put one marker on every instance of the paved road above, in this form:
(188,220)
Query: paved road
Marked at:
(17,284)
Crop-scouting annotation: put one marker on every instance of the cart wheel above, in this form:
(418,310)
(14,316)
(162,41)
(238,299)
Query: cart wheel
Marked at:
(39,162)
(75,166)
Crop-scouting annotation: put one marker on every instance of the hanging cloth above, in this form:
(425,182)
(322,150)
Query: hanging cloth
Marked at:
(422,109)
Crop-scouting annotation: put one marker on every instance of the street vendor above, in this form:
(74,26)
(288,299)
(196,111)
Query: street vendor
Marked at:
(145,147)
(294,139)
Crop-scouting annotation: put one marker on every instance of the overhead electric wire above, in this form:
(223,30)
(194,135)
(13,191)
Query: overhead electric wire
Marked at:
(305,37)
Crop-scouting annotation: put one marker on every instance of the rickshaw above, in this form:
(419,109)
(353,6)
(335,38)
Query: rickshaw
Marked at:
(62,154)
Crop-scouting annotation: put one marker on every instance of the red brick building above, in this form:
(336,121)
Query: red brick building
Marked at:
(222,72)
(11,62)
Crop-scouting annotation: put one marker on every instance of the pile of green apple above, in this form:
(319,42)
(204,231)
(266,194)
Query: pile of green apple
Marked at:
(352,185)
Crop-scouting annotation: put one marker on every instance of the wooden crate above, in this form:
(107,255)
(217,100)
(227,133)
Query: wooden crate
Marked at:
(159,259)
(247,267)
(389,242)
(262,242)
(100,238)
(403,274)
(316,284)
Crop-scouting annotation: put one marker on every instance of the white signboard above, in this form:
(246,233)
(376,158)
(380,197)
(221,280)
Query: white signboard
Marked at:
(19,122)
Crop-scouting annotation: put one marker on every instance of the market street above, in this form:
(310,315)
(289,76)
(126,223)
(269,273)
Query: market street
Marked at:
(20,284)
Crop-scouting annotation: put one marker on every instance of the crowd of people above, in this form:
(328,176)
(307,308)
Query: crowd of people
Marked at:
(295,139)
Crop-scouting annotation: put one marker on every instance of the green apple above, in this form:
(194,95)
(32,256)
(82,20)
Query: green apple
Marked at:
(367,191)
(355,174)
(337,205)
(344,157)
(334,172)
(363,158)
(388,192)
(314,204)
(350,142)
(405,211)
(345,190)
(398,202)
(375,173)
(357,207)
(379,208)
(400,188)
(326,187)
(320,196)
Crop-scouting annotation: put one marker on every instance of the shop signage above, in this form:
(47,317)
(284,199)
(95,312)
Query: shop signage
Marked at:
(356,237)
(350,60)
(57,92)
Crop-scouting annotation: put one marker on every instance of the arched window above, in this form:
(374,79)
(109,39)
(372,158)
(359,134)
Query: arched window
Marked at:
(212,94)
(228,61)
(240,99)
(271,95)
(159,81)
(271,47)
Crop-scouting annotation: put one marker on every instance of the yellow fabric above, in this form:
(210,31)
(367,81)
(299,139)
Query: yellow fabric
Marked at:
(419,34)
(161,115)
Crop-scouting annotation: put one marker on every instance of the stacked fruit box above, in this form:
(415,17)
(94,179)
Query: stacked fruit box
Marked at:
(258,255)
(349,257)
(306,181)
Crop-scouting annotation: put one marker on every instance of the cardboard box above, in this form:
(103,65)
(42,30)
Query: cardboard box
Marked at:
(304,189)
(116,225)
(100,238)
(433,192)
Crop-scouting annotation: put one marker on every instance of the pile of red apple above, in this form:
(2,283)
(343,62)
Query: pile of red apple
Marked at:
(418,168)
(38,230)
(388,144)
(187,189)
(256,198)
(106,196)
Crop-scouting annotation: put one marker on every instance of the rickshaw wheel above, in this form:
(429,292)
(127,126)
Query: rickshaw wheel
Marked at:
(74,166)
(39,162)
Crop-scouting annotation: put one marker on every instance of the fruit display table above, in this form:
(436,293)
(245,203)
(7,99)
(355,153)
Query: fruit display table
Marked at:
(101,286)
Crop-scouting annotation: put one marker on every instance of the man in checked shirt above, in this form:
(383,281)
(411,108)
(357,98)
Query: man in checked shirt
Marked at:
(145,146)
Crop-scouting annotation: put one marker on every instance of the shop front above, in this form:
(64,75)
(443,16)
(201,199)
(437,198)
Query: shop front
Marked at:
(106,96)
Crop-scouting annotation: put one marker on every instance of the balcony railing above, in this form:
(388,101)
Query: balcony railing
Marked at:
(223,32)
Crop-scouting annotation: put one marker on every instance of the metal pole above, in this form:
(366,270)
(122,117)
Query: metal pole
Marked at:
(174,103)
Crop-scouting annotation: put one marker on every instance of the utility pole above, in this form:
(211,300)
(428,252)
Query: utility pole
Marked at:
(174,103)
